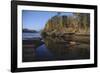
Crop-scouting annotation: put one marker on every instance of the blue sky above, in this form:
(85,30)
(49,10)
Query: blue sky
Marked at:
(36,20)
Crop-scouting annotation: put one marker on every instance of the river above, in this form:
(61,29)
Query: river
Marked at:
(27,35)
(46,49)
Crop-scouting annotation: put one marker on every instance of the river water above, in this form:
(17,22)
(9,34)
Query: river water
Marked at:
(54,49)
(27,35)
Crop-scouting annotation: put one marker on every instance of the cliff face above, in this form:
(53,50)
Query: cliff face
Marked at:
(56,24)
(78,23)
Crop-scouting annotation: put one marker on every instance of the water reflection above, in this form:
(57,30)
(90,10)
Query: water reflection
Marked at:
(59,48)
(56,48)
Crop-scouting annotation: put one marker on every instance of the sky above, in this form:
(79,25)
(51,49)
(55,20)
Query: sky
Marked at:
(36,20)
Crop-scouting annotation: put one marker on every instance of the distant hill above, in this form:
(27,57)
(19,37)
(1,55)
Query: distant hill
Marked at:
(31,31)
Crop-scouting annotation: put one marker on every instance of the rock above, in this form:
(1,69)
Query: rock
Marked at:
(72,43)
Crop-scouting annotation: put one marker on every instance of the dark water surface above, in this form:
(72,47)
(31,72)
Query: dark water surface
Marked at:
(52,48)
